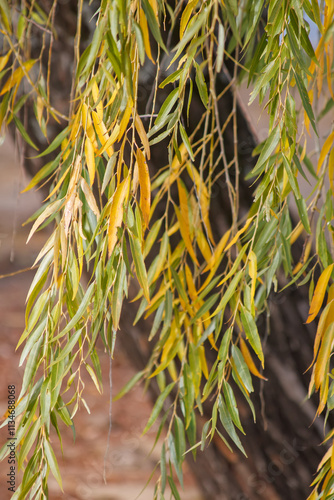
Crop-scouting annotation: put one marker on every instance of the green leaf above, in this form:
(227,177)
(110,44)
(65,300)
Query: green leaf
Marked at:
(52,461)
(201,85)
(153,24)
(28,442)
(302,210)
(251,332)
(132,382)
(228,293)
(186,141)
(158,406)
(139,264)
(55,143)
(23,132)
(305,100)
(205,307)
(242,368)
(173,488)
(227,422)
(232,405)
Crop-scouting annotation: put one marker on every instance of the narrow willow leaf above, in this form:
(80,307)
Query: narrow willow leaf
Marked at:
(51,209)
(319,293)
(232,405)
(132,382)
(52,461)
(322,362)
(28,442)
(152,21)
(227,422)
(249,361)
(251,332)
(139,264)
(206,307)
(158,406)
(305,100)
(228,293)
(221,47)
(145,186)
(242,368)
(116,213)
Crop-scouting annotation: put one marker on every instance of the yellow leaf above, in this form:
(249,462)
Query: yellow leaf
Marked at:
(90,159)
(252,272)
(203,245)
(154,6)
(50,209)
(239,233)
(125,120)
(88,125)
(202,358)
(186,16)
(96,95)
(218,252)
(112,139)
(331,170)
(145,186)
(116,213)
(322,363)
(319,293)
(204,198)
(16,77)
(170,341)
(102,133)
(89,197)
(143,136)
(325,150)
(4,60)
(332,457)
(296,233)
(183,218)
(146,36)
(249,360)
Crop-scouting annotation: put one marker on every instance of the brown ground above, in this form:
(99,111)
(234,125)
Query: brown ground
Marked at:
(128,463)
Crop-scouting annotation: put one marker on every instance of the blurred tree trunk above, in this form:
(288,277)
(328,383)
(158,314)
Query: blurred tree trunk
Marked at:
(282,446)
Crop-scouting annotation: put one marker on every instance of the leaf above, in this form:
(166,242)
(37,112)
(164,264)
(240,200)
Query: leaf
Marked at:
(146,36)
(51,209)
(129,385)
(145,186)
(186,16)
(201,85)
(142,134)
(226,420)
(89,197)
(28,442)
(23,132)
(158,406)
(305,99)
(116,213)
(249,361)
(320,369)
(325,150)
(232,405)
(139,264)
(239,233)
(302,210)
(183,218)
(16,77)
(228,293)
(153,23)
(52,461)
(252,272)
(251,332)
(186,141)
(205,307)
(55,143)
(221,47)
(319,293)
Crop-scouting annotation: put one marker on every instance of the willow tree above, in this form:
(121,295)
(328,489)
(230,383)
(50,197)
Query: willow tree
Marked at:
(121,222)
